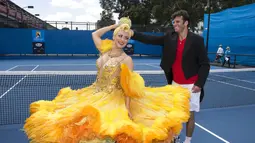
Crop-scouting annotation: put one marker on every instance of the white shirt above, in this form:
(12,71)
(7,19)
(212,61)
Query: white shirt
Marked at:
(220,51)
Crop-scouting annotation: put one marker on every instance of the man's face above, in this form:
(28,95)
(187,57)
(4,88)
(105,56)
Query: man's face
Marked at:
(179,24)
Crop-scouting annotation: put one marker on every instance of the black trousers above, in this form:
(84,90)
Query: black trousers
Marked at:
(227,62)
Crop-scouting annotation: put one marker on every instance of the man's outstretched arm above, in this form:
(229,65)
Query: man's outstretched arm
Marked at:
(148,39)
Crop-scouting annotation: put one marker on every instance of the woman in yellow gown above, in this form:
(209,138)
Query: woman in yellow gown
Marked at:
(116,108)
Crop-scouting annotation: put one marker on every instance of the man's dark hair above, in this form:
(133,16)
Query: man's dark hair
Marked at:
(183,13)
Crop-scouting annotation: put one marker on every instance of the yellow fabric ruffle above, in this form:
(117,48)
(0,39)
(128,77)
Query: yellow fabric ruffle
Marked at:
(89,115)
(131,82)
(106,45)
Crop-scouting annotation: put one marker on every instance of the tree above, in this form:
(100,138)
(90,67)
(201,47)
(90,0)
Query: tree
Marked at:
(163,10)
(158,12)
(195,9)
(233,3)
(107,13)
(220,5)
(137,11)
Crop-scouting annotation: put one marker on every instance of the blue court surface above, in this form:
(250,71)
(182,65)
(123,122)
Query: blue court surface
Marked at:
(227,111)
(59,64)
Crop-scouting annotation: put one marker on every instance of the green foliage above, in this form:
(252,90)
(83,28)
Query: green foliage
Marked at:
(146,12)
(107,13)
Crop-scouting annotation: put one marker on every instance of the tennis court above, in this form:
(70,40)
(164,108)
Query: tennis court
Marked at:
(228,109)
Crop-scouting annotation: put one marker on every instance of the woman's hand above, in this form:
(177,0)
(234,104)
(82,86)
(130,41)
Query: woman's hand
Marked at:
(127,102)
(114,26)
(96,35)
(130,115)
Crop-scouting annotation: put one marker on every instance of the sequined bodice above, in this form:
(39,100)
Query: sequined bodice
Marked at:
(108,77)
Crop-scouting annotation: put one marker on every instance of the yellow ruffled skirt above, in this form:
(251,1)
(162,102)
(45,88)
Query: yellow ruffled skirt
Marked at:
(86,116)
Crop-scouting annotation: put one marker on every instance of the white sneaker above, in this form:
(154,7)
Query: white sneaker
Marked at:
(177,140)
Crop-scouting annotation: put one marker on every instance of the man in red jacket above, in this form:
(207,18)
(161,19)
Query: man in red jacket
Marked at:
(184,61)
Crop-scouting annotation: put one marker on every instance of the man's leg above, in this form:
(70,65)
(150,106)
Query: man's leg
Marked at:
(223,63)
(190,126)
(220,59)
(194,107)
(229,62)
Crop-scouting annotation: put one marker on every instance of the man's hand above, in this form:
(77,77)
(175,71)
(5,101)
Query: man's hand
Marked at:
(132,32)
(196,89)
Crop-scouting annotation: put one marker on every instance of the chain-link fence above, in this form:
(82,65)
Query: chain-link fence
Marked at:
(70,25)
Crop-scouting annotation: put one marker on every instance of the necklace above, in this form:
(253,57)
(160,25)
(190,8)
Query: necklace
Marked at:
(115,55)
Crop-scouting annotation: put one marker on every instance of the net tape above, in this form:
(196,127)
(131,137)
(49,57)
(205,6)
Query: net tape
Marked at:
(95,72)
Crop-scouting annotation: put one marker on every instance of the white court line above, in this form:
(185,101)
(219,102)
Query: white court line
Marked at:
(153,66)
(35,68)
(12,68)
(210,132)
(16,83)
(232,84)
(79,64)
(12,87)
(233,78)
(227,108)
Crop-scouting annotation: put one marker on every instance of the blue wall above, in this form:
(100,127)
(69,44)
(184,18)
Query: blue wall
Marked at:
(233,27)
(15,41)
(19,41)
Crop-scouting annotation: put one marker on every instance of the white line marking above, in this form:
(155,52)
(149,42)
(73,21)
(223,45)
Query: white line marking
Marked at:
(234,78)
(35,68)
(153,66)
(12,87)
(12,68)
(227,108)
(232,70)
(210,132)
(79,64)
(16,83)
(232,84)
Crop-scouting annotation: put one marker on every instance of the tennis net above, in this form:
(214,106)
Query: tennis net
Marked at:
(18,89)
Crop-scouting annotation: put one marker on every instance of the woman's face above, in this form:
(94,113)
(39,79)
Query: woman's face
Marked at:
(121,39)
